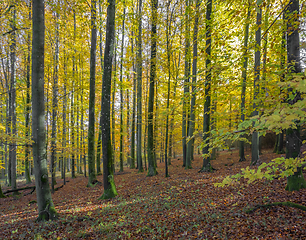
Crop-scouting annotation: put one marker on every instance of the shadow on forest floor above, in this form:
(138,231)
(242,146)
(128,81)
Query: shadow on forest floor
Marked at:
(184,206)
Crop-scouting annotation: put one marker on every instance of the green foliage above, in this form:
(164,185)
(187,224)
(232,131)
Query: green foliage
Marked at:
(277,168)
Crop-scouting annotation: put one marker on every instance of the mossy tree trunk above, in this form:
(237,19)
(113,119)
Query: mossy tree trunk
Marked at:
(44,200)
(108,174)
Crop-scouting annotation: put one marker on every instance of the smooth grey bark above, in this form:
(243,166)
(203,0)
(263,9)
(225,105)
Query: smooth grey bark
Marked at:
(91,124)
(139,88)
(28,108)
(206,120)
(255,137)
(72,107)
(121,155)
(99,144)
(108,175)
(186,83)
(13,118)
(132,165)
(296,181)
(113,89)
(150,139)
(244,79)
(54,104)
(64,130)
(189,154)
(280,137)
(44,200)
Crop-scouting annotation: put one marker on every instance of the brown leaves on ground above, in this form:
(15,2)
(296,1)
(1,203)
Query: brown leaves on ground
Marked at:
(184,206)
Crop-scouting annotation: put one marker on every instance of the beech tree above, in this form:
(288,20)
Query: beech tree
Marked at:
(108,175)
(46,208)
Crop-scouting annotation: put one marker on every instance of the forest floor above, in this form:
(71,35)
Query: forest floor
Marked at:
(184,206)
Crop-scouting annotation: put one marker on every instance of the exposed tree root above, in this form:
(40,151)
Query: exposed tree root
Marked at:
(288,204)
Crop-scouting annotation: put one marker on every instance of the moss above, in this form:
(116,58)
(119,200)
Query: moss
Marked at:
(44,178)
(1,193)
(48,214)
(111,192)
(296,181)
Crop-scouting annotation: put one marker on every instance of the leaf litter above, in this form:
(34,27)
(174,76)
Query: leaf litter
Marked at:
(185,205)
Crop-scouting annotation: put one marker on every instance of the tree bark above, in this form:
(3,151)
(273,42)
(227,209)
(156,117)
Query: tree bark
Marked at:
(206,121)
(189,155)
(91,125)
(151,165)
(45,204)
(244,79)
(108,175)
(139,88)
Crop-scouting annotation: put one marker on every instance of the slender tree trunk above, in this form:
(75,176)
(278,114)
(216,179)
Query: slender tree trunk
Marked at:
(189,154)
(99,145)
(186,83)
(13,147)
(132,166)
(91,125)
(108,176)
(54,104)
(244,78)
(44,200)
(121,96)
(113,107)
(64,159)
(206,121)
(255,138)
(151,165)
(296,181)
(28,109)
(139,88)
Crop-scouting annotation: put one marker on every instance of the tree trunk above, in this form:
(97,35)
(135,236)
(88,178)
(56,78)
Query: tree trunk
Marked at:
(132,166)
(151,165)
(139,88)
(244,79)
(44,200)
(28,109)
(255,138)
(121,96)
(206,121)
(186,83)
(189,155)
(54,104)
(108,176)
(91,125)
(13,118)
(293,142)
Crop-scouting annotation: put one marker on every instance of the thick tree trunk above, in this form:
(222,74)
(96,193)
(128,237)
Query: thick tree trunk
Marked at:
(44,200)
(108,175)
(293,142)
(91,125)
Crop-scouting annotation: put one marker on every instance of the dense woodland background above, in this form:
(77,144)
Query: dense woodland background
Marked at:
(135,83)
